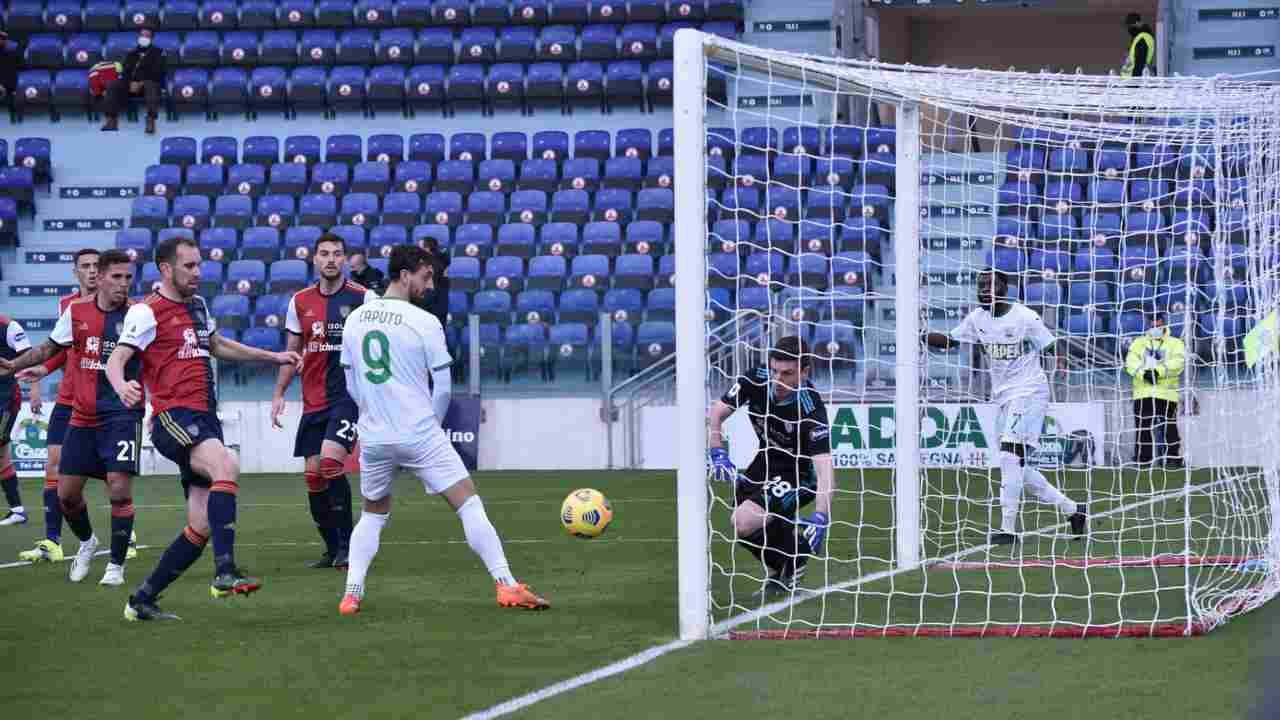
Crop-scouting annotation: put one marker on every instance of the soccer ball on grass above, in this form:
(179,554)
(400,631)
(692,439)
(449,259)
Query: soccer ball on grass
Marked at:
(585,513)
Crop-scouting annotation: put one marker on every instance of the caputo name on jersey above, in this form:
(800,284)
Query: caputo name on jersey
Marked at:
(1004,351)
(386,317)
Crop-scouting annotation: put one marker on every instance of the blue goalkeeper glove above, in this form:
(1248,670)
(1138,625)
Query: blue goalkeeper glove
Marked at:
(722,469)
(815,531)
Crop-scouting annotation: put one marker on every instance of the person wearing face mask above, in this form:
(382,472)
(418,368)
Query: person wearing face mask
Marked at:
(10,58)
(1155,361)
(1141,57)
(143,76)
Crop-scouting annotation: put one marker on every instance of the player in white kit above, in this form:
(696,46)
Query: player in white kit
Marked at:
(391,350)
(1013,336)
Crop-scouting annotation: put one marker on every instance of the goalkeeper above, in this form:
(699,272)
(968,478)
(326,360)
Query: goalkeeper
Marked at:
(791,469)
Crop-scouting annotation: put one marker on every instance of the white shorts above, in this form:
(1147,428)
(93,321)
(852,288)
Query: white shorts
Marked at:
(431,458)
(1022,421)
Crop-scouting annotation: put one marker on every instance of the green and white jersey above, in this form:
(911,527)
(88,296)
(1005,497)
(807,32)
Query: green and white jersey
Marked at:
(1012,343)
(389,348)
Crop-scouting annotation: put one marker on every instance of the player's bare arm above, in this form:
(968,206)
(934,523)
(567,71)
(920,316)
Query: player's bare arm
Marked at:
(826,483)
(130,391)
(720,411)
(232,351)
(284,378)
(34,356)
(938,341)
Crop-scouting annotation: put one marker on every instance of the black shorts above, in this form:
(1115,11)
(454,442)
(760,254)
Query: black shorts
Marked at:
(8,417)
(94,452)
(177,431)
(779,485)
(336,423)
(59,421)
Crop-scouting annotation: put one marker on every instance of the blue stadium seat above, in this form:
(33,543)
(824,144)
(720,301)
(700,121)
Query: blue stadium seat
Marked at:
(654,341)
(560,238)
(516,239)
(288,178)
(622,172)
(235,211)
(486,207)
(191,212)
(444,208)
(254,272)
(261,150)
(435,45)
(343,148)
(346,87)
(589,271)
(504,273)
(497,175)
(385,148)
(386,87)
(330,178)
(602,238)
(318,209)
(571,206)
(517,45)
(163,180)
(402,208)
(505,85)
(270,310)
(473,240)
(354,238)
(200,48)
(263,338)
(528,206)
(455,176)
(230,311)
(614,205)
(383,238)
(581,174)
(645,237)
(634,271)
(468,146)
(414,176)
(656,204)
(205,179)
(246,179)
(534,306)
(427,147)
(360,209)
(544,85)
(304,149)
(547,272)
(35,88)
(371,177)
(260,243)
(268,88)
(439,233)
(287,276)
(307,87)
(137,242)
(299,241)
(493,306)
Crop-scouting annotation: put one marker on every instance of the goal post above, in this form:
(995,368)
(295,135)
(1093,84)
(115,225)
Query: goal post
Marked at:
(855,204)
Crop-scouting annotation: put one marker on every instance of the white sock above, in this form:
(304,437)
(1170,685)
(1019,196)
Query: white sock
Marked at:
(484,540)
(364,545)
(1045,490)
(1011,480)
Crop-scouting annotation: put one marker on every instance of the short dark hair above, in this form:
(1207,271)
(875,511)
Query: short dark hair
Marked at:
(791,349)
(1132,19)
(86,251)
(167,250)
(406,257)
(112,257)
(328,238)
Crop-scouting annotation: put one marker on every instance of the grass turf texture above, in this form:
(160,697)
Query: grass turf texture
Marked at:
(432,643)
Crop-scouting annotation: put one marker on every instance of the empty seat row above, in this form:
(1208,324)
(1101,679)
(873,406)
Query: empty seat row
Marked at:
(1138,191)
(401,208)
(1111,162)
(25,17)
(555,145)
(206,48)
(416,176)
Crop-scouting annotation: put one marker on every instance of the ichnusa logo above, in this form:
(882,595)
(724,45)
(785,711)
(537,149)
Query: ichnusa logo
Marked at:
(950,435)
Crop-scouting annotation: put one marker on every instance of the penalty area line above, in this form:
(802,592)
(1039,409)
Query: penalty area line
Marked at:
(722,628)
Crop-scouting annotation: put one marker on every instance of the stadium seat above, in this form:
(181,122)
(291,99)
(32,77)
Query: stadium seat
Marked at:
(486,207)
(504,273)
(515,239)
(234,211)
(252,272)
(355,238)
(360,209)
(300,240)
(261,150)
(304,149)
(318,209)
(473,240)
(260,243)
(414,176)
(150,212)
(547,272)
(136,242)
(444,208)
(288,178)
(441,234)
(192,212)
(383,238)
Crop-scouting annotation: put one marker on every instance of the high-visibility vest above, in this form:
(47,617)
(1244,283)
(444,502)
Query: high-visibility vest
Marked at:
(1167,356)
(1131,60)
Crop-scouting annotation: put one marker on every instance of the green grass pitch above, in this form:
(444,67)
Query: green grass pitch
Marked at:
(432,643)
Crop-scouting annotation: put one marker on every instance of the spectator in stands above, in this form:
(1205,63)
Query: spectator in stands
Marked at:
(1141,58)
(436,300)
(10,59)
(1155,362)
(143,76)
(364,273)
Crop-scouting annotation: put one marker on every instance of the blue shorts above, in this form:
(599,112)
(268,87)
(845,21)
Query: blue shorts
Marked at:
(177,431)
(94,452)
(59,421)
(336,423)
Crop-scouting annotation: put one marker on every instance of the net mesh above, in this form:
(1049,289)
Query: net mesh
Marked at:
(1106,203)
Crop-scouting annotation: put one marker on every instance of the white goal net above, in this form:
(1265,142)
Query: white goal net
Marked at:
(856,205)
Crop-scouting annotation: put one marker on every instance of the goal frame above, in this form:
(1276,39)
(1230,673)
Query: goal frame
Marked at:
(692,51)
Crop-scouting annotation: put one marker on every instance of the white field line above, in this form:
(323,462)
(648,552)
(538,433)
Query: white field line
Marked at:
(797,597)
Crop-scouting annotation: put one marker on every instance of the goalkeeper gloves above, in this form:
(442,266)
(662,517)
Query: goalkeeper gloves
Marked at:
(815,531)
(722,469)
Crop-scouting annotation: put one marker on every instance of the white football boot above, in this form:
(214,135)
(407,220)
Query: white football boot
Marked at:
(84,557)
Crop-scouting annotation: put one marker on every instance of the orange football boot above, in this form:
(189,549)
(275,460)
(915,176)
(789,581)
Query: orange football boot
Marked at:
(519,595)
(349,606)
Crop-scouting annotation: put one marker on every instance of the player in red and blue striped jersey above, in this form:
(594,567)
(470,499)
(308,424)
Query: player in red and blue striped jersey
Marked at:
(327,430)
(49,548)
(173,335)
(13,341)
(104,434)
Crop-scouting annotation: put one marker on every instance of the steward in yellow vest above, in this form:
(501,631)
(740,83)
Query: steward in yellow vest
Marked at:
(1142,48)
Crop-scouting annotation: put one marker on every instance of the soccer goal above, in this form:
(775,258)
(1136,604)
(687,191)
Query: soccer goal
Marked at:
(855,204)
